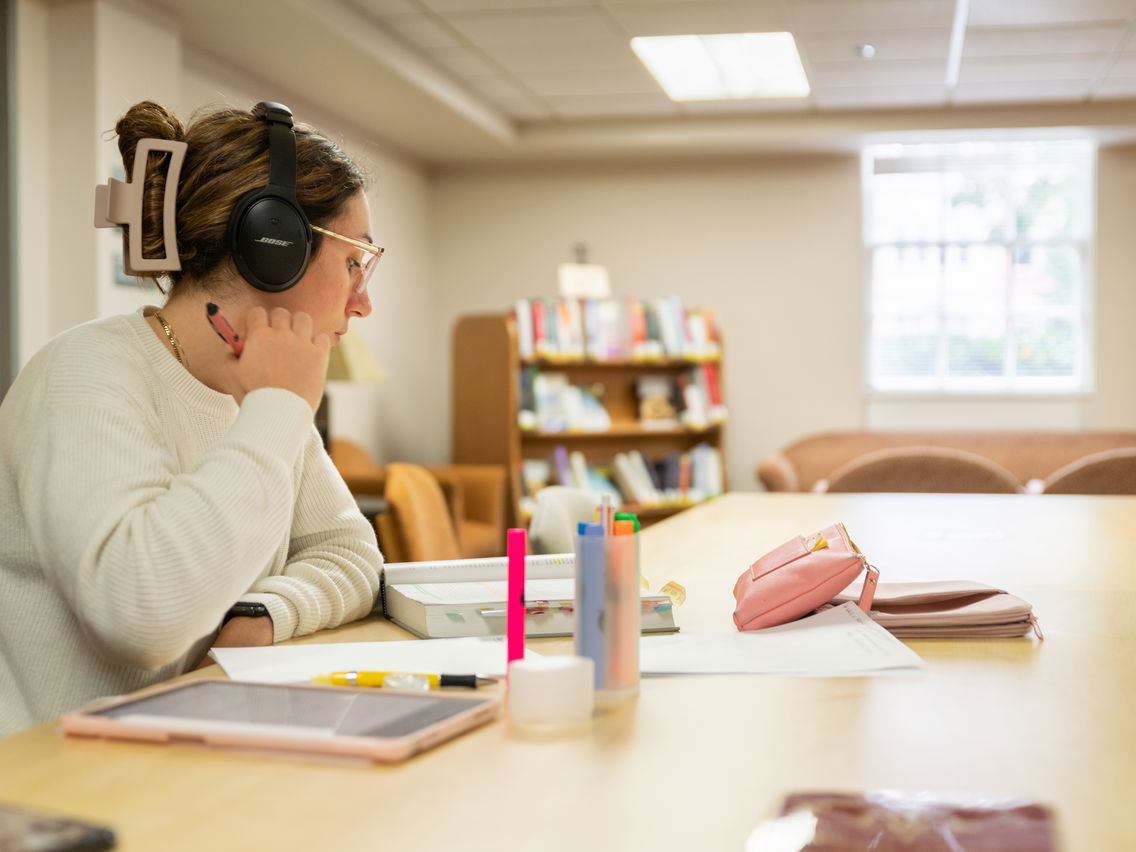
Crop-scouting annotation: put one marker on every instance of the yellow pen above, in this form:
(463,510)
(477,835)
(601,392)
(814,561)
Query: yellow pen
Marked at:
(403,680)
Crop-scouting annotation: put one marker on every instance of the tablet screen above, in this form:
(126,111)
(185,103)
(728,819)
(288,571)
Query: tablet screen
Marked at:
(292,710)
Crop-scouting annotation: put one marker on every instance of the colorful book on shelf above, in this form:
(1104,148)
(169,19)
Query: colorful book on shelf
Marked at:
(526,399)
(705,472)
(578,466)
(655,394)
(522,315)
(709,370)
(695,411)
(633,479)
(647,475)
(615,329)
(539,335)
(563,468)
(638,346)
(466,597)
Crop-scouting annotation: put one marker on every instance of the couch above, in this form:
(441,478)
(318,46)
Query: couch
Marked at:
(1029,457)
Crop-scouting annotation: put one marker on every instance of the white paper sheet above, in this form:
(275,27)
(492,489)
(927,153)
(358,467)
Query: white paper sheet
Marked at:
(300,663)
(839,641)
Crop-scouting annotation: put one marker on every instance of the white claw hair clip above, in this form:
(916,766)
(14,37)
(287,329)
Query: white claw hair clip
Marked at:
(118,204)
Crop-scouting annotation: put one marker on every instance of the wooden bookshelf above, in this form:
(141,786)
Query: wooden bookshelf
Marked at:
(486,388)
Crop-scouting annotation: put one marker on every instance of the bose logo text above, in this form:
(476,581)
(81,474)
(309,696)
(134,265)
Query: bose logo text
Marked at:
(274,242)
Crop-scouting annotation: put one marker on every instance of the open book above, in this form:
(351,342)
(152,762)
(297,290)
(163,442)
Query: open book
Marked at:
(466,597)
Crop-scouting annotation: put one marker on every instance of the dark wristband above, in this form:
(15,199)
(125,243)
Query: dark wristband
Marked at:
(246,610)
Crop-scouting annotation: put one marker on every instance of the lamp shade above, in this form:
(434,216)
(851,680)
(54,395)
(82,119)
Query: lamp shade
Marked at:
(352,361)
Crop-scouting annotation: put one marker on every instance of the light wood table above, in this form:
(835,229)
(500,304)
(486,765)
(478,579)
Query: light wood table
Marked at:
(697,763)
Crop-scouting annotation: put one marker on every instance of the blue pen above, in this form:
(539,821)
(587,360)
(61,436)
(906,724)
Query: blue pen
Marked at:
(590,597)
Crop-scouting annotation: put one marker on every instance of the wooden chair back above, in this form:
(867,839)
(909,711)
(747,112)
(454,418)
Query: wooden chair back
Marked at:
(420,515)
(1107,472)
(923,469)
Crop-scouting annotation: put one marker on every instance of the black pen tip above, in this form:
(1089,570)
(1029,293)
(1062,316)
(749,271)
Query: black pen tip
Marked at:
(210,308)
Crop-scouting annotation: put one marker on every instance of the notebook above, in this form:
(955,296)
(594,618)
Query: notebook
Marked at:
(466,597)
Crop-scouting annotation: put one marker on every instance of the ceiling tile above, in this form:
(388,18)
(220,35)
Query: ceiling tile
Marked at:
(1025,69)
(593,83)
(1123,66)
(746,106)
(1020,91)
(501,86)
(839,74)
(421,31)
(1115,87)
(709,16)
(463,62)
(380,8)
(890,45)
(548,26)
(511,97)
(1007,41)
(606,106)
(875,97)
(596,55)
(1016,13)
(836,15)
(446,6)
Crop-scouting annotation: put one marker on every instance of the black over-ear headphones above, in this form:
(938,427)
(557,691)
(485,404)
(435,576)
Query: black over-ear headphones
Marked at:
(269,235)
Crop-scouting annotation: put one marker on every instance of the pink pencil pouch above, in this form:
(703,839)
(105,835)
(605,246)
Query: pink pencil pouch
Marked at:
(947,609)
(799,576)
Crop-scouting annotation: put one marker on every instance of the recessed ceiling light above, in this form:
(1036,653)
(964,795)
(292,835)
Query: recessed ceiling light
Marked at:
(724,66)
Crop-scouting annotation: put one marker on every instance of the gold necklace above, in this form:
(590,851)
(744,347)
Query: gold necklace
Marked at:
(170,336)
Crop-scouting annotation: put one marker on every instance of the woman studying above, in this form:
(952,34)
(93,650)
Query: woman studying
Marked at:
(163,487)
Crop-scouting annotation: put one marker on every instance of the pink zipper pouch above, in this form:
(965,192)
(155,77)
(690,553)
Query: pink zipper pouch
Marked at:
(947,609)
(800,576)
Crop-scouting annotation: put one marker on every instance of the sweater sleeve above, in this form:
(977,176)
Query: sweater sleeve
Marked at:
(149,556)
(332,572)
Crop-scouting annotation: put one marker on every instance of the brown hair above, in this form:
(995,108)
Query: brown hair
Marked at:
(226,156)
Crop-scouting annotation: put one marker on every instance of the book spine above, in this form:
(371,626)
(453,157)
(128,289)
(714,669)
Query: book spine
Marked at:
(578,466)
(540,336)
(563,470)
(523,313)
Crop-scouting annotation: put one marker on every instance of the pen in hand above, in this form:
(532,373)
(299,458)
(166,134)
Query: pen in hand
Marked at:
(224,330)
(403,680)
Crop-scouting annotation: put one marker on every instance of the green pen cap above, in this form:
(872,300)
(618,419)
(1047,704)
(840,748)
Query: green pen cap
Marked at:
(628,516)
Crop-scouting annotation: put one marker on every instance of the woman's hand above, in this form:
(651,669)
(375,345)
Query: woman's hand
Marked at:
(282,351)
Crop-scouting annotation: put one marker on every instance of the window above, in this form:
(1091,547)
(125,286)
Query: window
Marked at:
(978,262)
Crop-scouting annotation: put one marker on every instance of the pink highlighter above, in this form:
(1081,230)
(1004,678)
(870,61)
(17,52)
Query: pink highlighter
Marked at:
(223,329)
(516,544)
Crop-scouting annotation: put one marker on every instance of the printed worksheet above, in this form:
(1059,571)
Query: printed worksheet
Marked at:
(838,641)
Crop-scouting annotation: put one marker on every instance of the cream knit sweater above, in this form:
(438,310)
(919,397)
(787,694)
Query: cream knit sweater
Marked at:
(137,505)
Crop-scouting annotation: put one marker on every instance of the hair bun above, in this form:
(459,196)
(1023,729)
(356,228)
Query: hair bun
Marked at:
(145,120)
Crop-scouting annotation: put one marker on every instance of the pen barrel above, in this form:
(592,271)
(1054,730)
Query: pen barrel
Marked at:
(607,610)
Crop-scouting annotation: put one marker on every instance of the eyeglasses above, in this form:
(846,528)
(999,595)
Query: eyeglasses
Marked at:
(363,268)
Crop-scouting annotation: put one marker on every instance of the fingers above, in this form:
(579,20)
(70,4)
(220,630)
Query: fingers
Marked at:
(280,318)
(302,325)
(256,317)
(322,342)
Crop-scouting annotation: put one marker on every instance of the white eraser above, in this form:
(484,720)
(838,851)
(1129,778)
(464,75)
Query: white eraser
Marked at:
(551,691)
